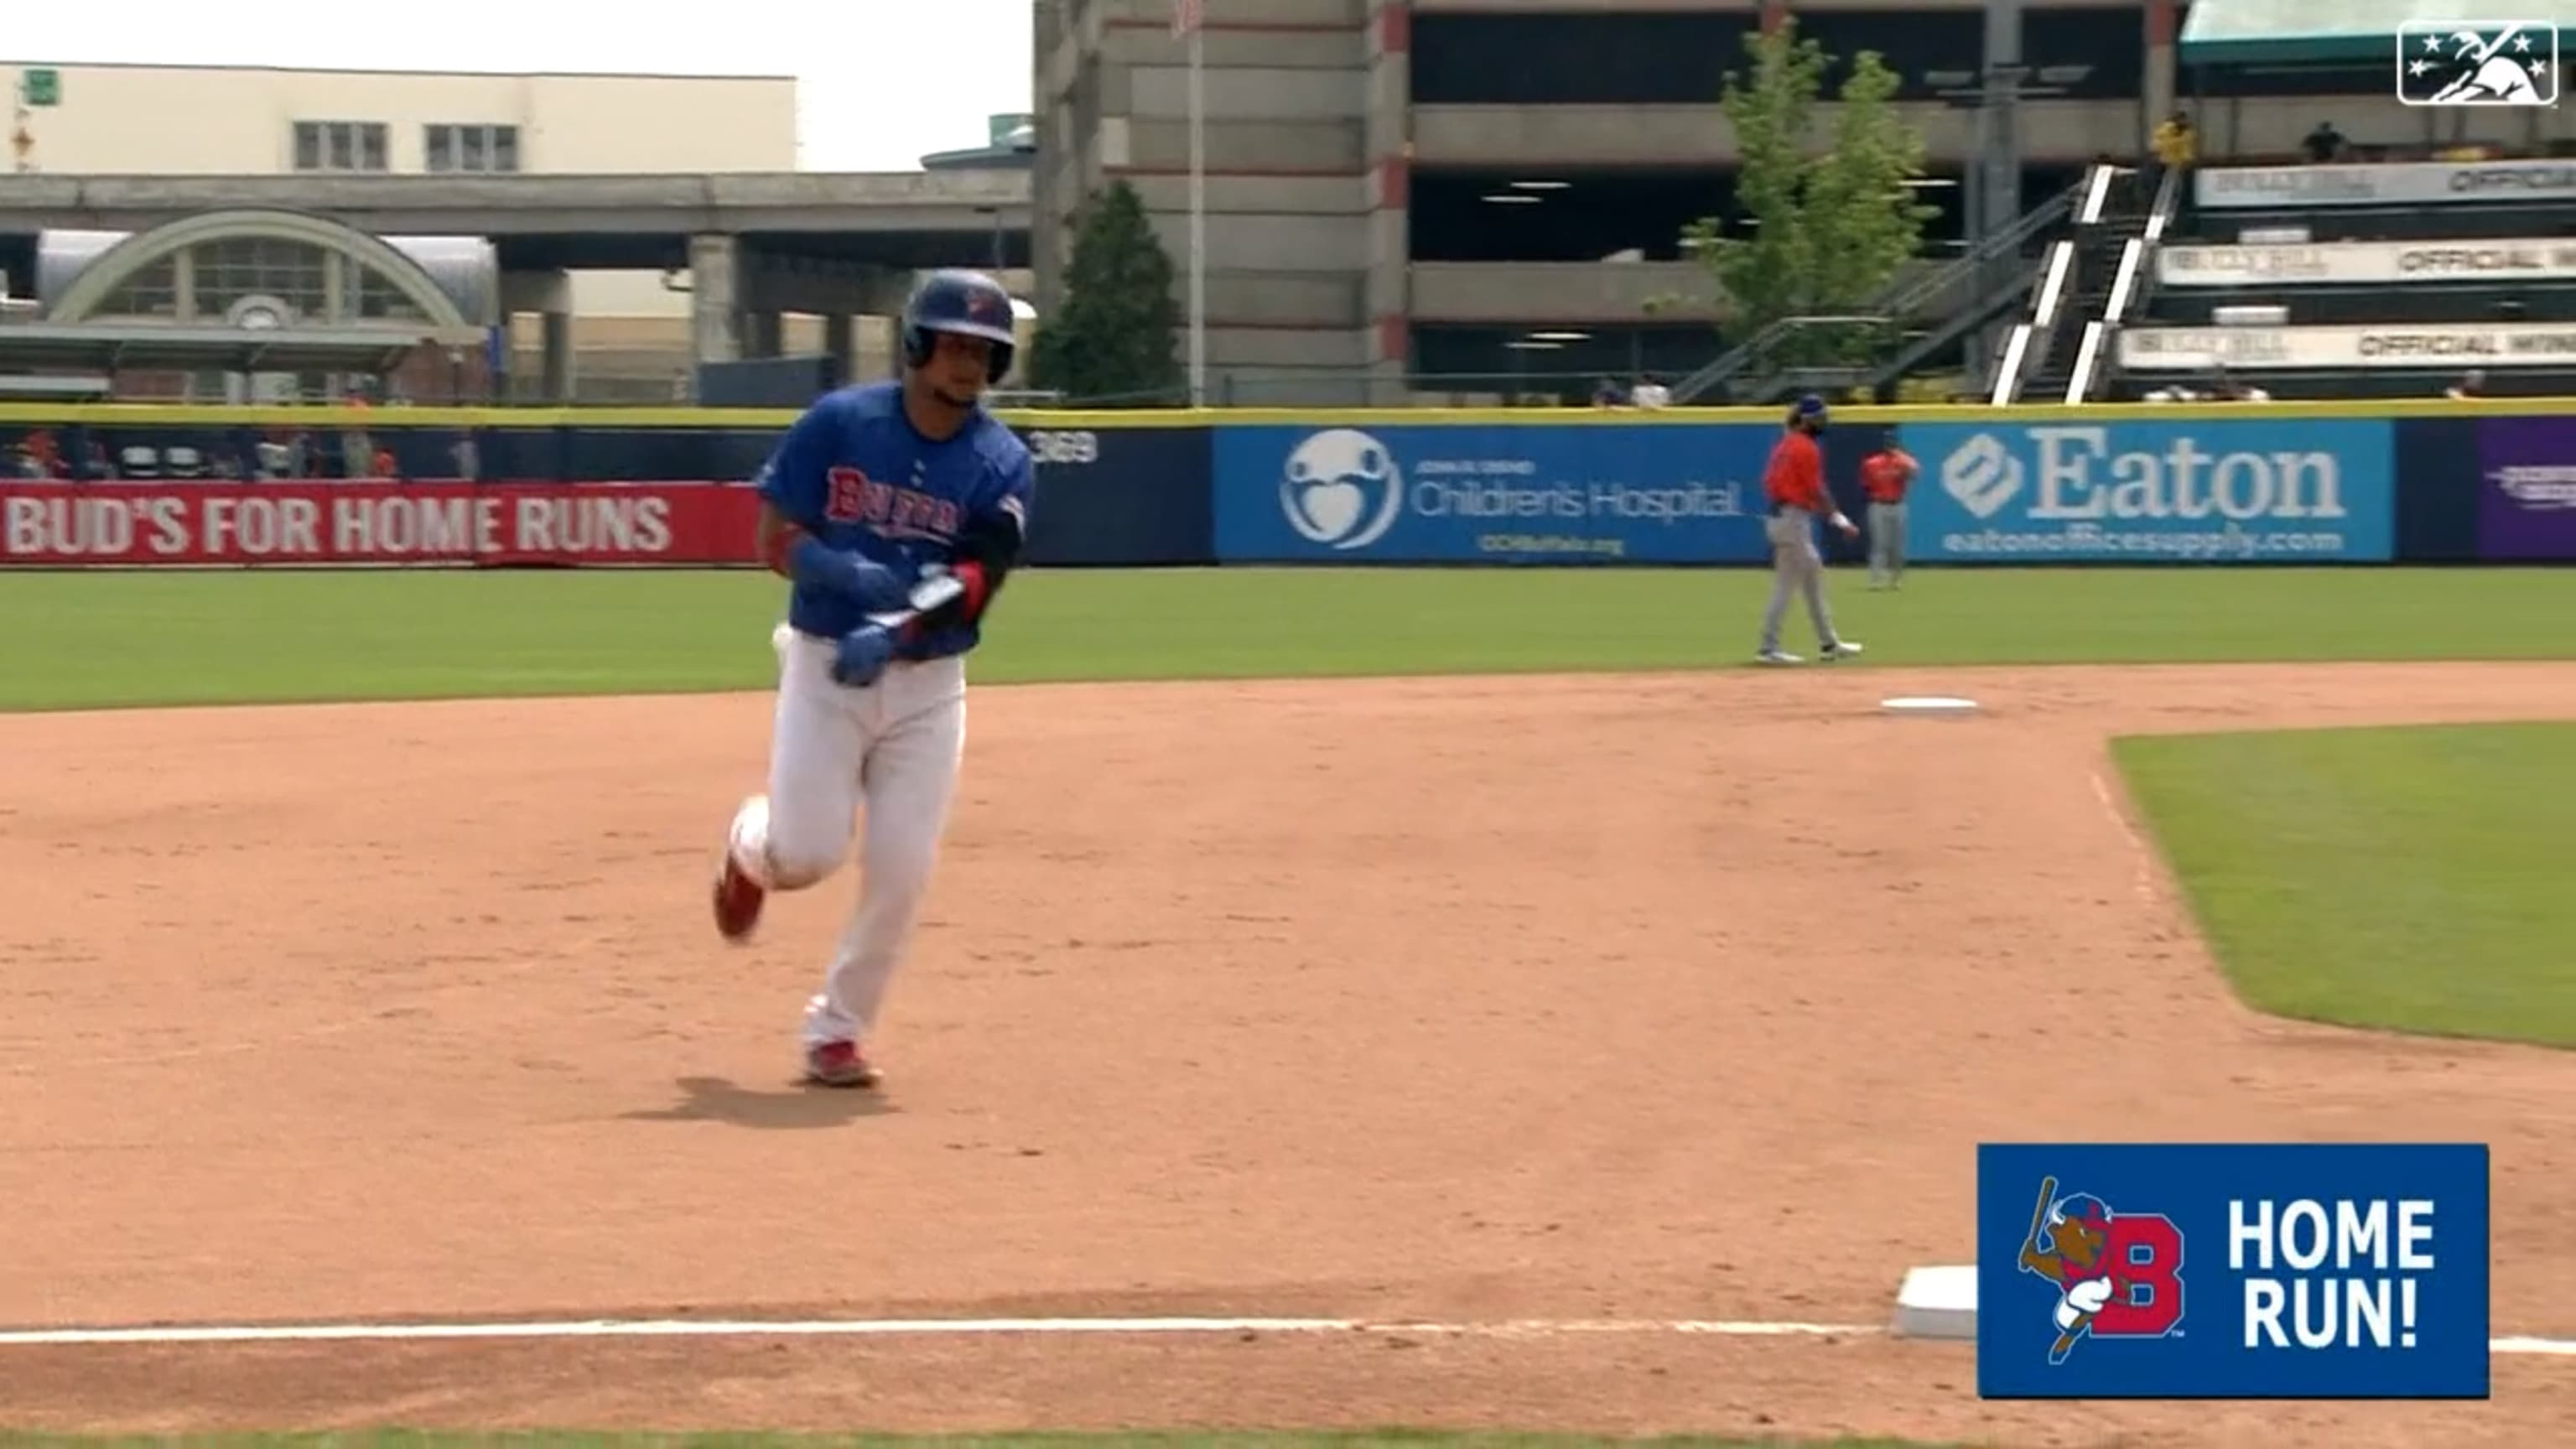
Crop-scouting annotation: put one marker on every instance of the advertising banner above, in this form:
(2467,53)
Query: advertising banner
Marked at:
(2527,488)
(2435,344)
(253,524)
(2337,264)
(2267,490)
(1561,494)
(2401,183)
(1121,496)
(2232,1271)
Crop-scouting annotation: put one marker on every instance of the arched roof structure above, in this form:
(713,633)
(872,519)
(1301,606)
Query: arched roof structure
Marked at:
(80,273)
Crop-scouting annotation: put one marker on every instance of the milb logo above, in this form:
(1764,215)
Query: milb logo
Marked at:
(2477,63)
(2117,1275)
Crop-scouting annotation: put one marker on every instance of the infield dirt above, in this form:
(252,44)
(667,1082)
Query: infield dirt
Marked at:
(1500,998)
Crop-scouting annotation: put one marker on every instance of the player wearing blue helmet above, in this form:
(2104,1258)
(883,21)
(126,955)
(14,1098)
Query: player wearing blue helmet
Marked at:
(895,510)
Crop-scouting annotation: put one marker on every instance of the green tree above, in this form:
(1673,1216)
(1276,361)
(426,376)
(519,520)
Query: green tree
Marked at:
(1823,234)
(1114,337)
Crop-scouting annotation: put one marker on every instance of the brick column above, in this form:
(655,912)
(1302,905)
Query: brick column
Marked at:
(2158,94)
(1388,293)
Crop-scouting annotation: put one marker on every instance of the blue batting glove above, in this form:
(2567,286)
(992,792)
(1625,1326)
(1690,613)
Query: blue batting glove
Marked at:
(862,655)
(871,586)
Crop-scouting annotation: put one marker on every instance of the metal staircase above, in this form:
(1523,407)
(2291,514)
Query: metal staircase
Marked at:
(2126,224)
(1957,297)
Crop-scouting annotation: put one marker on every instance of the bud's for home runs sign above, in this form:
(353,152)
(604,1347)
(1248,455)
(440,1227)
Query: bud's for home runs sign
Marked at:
(2294,1270)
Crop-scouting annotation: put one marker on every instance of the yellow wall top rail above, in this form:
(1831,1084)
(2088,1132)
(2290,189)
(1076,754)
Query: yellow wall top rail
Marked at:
(129,415)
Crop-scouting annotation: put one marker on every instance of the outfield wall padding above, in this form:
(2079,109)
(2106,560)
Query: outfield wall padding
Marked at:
(2197,484)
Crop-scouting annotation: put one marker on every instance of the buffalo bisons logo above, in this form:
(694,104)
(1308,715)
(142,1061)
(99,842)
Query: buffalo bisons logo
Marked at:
(2118,1275)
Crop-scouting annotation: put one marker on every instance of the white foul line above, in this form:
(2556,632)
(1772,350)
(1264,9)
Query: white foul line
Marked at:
(976,1327)
(891,1328)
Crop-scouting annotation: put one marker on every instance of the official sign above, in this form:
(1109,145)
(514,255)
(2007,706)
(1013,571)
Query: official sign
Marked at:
(2455,344)
(2477,63)
(2400,183)
(2262,490)
(1557,495)
(2333,264)
(2527,488)
(2237,1271)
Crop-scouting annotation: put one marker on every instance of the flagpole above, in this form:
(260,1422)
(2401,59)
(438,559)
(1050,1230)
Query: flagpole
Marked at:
(1198,201)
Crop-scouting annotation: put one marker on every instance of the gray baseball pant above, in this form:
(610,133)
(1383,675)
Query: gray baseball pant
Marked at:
(1886,542)
(1795,566)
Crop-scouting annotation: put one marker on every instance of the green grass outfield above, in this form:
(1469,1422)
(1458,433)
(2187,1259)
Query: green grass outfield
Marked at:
(1383,1439)
(79,640)
(2411,878)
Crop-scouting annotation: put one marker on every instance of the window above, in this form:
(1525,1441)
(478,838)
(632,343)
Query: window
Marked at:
(471,148)
(151,292)
(1596,59)
(341,146)
(232,270)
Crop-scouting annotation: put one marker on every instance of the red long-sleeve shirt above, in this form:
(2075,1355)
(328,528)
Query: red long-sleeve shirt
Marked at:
(1884,474)
(1795,476)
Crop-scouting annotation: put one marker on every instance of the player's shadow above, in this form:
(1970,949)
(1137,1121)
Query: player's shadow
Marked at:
(714,1099)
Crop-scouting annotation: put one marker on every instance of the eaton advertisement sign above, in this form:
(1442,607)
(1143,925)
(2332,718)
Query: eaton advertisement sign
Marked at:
(1544,494)
(2261,490)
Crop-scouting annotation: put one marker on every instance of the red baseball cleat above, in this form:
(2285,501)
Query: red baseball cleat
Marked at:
(840,1064)
(738,899)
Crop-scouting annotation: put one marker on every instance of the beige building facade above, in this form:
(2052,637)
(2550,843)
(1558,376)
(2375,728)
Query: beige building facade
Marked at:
(630,329)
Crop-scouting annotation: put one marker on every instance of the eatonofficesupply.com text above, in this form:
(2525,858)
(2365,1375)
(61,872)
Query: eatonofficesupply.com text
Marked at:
(2228,542)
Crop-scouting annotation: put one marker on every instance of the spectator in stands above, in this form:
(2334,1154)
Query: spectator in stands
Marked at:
(2231,388)
(2324,144)
(1605,394)
(2177,144)
(1650,392)
(2472,385)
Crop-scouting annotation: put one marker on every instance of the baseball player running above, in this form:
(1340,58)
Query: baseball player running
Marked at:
(1794,482)
(1884,476)
(882,498)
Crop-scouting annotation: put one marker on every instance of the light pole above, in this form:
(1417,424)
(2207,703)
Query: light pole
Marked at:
(1187,17)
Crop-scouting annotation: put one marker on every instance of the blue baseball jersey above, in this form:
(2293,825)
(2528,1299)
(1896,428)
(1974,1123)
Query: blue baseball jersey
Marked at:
(856,474)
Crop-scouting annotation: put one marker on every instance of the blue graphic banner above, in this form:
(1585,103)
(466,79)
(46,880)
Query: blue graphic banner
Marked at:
(2320,1271)
(2261,490)
(1610,493)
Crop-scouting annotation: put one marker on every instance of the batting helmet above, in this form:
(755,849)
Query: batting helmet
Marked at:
(969,304)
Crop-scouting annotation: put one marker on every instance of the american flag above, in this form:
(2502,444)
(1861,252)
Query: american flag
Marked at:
(1186,15)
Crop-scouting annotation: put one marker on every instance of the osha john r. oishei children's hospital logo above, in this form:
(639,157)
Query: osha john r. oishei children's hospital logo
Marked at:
(1341,487)
(2477,63)
(2117,1275)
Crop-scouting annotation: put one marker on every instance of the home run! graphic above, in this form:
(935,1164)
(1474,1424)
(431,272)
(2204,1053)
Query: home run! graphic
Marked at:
(2231,1271)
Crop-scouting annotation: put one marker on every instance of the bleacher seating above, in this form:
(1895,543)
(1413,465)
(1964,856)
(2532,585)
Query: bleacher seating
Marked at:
(2380,279)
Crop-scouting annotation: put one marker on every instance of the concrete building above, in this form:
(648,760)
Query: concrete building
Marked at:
(1482,197)
(630,328)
